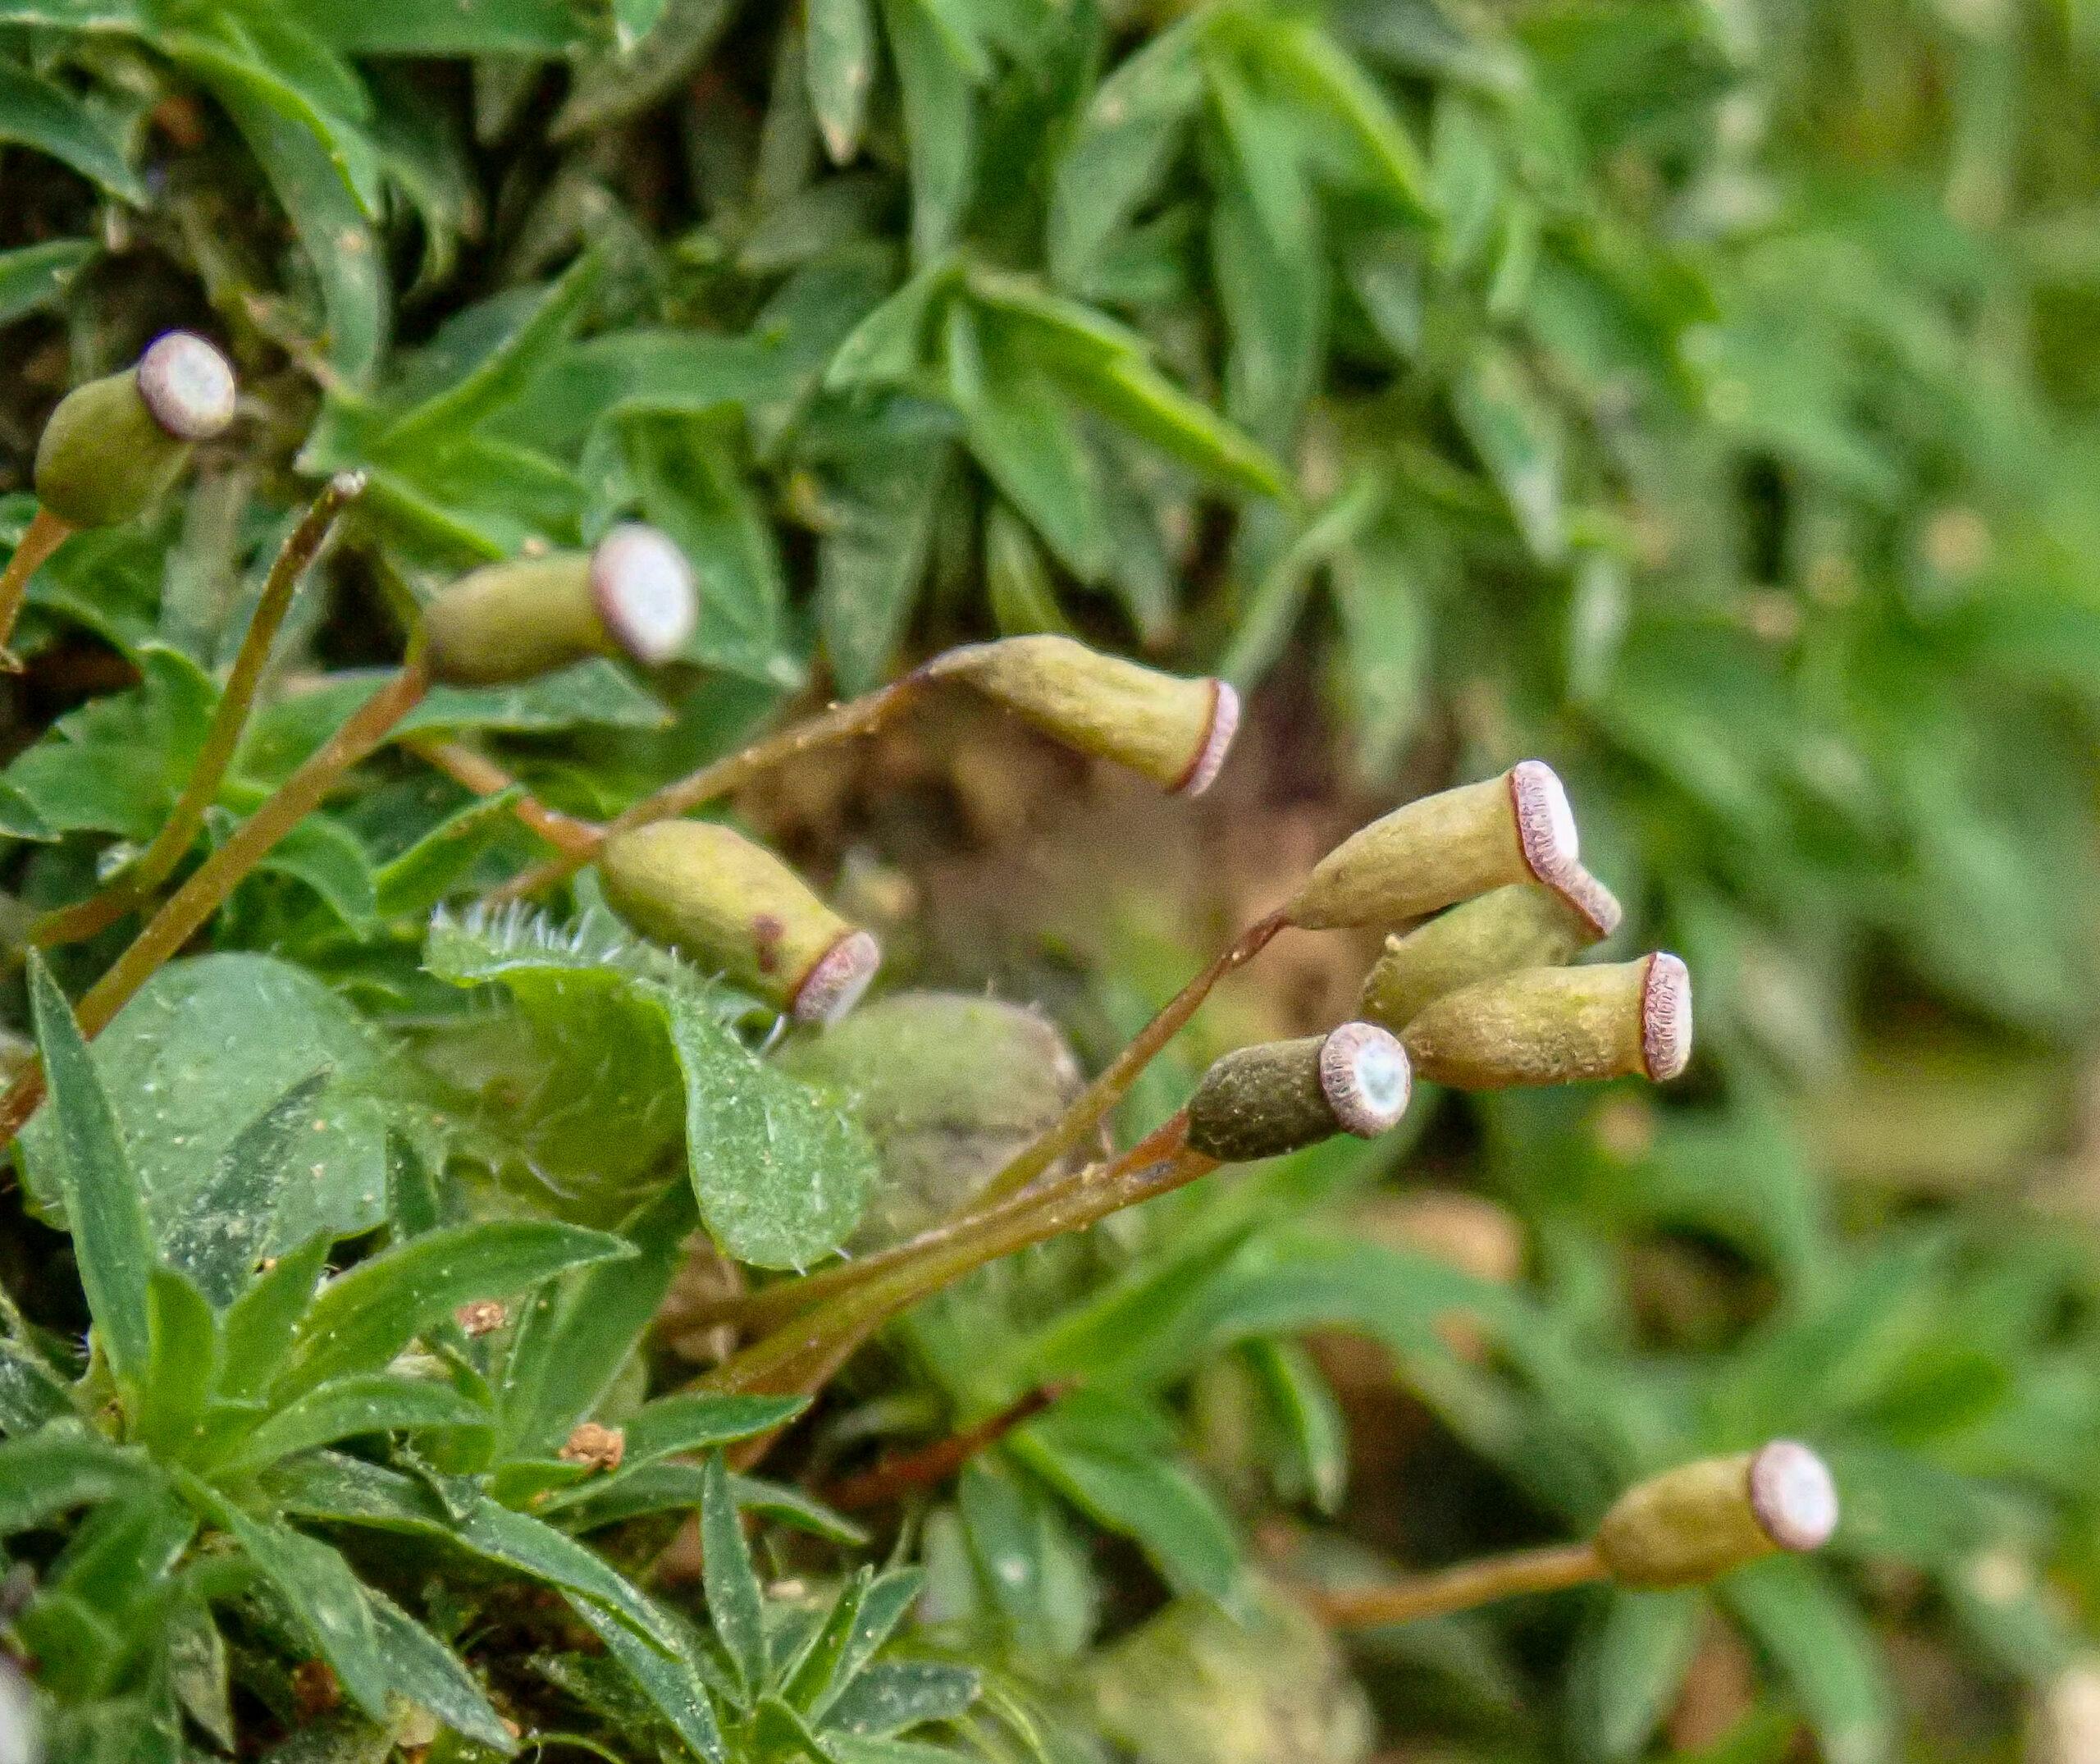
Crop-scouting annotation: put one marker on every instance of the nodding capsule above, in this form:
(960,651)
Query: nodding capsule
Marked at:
(1445,848)
(1175,731)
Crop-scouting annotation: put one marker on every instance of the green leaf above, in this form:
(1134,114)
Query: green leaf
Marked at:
(878,511)
(781,1174)
(940,122)
(840,45)
(1114,1462)
(369,1402)
(1825,1654)
(195,1065)
(502,375)
(1312,60)
(186,1360)
(348,262)
(415,27)
(1023,435)
(422,1669)
(1023,600)
(409,885)
(38,113)
(260,1325)
(734,1602)
(1519,439)
(1628,1668)
(317,1585)
(60,1467)
(221,1234)
(31,1393)
(578,1339)
(692,487)
(896,1697)
(32,276)
(700,1420)
(340,1490)
(1133,124)
(674,1684)
(366,1317)
(107,1215)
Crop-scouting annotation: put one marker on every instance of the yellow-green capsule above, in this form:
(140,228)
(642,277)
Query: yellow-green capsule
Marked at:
(1444,849)
(115,446)
(1175,731)
(633,595)
(734,908)
(1524,925)
(1279,1096)
(1701,1520)
(1558,1025)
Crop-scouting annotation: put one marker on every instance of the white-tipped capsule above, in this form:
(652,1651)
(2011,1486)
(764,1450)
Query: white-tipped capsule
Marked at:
(1262,1101)
(643,587)
(1701,1520)
(116,445)
(632,596)
(187,385)
(1524,925)
(1558,1025)
(1444,849)
(736,909)
(1175,731)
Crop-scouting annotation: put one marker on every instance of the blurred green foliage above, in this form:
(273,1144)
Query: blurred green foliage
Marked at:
(1697,393)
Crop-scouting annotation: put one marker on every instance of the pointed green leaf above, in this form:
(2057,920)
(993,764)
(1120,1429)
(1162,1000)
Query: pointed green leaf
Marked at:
(362,1320)
(104,1207)
(735,1605)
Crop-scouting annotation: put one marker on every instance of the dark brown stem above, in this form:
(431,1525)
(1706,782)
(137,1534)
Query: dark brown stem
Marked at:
(158,862)
(478,773)
(900,1473)
(1460,1588)
(45,533)
(859,716)
(184,911)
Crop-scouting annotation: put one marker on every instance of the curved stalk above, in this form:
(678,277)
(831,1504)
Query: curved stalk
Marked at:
(1092,1107)
(1460,1588)
(842,722)
(185,912)
(40,544)
(158,862)
(799,1358)
(476,771)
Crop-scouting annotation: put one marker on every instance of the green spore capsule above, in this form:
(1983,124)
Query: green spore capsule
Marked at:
(1175,731)
(116,445)
(1279,1096)
(735,909)
(1524,925)
(1444,849)
(633,595)
(1559,1026)
(1697,1522)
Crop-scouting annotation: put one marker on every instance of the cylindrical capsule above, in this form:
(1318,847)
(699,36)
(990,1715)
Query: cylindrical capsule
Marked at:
(633,595)
(1175,731)
(1559,1026)
(1691,1524)
(734,908)
(115,446)
(1444,849)
(1524,925)
(1279,1096)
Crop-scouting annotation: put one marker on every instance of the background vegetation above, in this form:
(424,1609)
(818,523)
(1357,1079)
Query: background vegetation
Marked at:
(1697,394)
